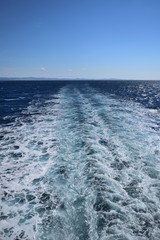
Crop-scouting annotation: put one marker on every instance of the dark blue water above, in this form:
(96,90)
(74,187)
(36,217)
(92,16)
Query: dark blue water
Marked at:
(17,95)
(80,160)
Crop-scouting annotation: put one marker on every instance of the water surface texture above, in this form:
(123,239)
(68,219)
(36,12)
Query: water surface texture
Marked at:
(80,160)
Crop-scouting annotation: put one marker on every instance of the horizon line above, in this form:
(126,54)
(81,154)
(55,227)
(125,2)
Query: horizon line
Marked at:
(74,79)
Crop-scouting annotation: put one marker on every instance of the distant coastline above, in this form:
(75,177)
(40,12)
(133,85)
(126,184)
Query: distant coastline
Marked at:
(68,79)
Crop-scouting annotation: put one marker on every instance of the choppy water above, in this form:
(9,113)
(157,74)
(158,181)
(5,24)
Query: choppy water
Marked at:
(80,161)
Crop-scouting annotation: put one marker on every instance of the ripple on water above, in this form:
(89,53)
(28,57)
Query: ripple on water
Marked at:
(83,165)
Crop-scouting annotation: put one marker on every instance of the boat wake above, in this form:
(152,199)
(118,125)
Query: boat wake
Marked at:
(82,165)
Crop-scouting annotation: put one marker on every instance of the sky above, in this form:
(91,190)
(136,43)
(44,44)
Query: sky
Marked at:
(80,39)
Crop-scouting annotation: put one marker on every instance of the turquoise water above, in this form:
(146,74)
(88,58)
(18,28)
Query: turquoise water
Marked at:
(80,163)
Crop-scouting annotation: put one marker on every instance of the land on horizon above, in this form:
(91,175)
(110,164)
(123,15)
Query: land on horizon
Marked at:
(69,79)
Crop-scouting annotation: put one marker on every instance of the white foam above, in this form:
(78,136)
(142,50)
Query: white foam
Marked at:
(85,158)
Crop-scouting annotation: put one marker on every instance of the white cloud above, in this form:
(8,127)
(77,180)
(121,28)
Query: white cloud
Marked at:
(70,70)
(43,69)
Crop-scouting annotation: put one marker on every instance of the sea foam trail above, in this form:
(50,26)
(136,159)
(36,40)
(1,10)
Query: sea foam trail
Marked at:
(84,166)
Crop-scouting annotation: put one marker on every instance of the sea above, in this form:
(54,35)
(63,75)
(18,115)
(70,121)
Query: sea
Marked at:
(80,160)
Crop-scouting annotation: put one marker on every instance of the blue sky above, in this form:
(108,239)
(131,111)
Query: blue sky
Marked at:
(80,38)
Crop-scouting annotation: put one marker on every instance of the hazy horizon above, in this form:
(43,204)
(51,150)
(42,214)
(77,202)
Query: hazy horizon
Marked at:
(71,79)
